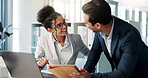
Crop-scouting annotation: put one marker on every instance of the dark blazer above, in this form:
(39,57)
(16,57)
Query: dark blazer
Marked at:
(129,54)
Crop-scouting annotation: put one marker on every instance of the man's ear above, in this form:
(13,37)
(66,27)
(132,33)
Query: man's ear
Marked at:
(98,25)
(50,30)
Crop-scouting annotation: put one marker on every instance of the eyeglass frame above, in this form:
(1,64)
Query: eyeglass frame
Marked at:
(60,25)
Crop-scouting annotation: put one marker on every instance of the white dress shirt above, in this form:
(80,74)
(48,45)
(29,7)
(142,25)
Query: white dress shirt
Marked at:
(62,51)
(108,39)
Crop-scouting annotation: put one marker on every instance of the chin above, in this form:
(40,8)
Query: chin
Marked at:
(64,34)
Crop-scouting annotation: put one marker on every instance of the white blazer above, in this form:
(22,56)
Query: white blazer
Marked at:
(45,47)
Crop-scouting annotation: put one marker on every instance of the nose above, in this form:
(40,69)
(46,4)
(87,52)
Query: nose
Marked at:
(64,26)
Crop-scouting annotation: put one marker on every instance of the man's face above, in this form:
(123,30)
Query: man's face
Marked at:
(88,24)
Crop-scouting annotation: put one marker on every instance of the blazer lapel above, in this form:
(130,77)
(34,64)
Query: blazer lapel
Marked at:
(72,43)
(115,37)
(53,51)
(106,51)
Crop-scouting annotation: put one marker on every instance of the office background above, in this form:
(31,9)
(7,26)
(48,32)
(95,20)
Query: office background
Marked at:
(22,15)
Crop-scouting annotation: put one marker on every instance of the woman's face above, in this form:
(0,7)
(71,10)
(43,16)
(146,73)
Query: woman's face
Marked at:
(60,26)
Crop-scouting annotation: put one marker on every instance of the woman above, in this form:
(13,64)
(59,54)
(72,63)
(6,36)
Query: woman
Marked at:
(58,46)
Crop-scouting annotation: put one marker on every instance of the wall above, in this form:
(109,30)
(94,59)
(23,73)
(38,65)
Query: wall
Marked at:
(27,15)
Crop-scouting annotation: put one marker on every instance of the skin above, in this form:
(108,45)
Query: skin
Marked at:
(98,27)
(59,35)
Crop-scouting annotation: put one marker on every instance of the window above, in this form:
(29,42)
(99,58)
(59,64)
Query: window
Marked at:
(134,14)
(70,9)
(114,7)
(143,26)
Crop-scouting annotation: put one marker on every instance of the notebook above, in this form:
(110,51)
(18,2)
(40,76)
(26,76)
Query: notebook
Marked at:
(63,71)
(21,65)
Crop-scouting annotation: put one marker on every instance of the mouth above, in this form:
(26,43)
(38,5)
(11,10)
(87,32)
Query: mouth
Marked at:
(64,30)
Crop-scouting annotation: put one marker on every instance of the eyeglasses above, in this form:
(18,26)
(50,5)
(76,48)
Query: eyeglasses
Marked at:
(60,25)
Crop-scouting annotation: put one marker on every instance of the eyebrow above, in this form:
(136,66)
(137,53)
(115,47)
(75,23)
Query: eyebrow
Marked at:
(62,22)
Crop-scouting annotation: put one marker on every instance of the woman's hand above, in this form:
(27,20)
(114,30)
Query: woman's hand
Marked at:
(42,62)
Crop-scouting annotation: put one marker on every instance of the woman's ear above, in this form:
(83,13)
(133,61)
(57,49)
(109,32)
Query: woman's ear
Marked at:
(50,30)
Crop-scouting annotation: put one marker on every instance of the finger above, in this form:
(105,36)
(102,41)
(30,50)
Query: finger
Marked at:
(70,75)
(77,74)
(48,60)
(44,58)
(82,70)
(40,64)
(73,75)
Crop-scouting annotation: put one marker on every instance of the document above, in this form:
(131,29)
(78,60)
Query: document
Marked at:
(63,71)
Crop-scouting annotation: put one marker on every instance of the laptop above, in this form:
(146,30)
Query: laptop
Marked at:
(21,65)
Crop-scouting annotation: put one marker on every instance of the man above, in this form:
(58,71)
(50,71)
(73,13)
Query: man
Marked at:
(120,41)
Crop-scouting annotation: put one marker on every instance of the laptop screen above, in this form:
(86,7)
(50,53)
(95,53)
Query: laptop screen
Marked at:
(21,65)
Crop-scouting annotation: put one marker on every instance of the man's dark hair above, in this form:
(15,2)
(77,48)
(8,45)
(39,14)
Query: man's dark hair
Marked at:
(98,11)
(46,15)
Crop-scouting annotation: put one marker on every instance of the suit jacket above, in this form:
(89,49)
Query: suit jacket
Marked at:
(129,54)
(46,47)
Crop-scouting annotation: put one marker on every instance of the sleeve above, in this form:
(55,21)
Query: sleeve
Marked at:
(130,50)
(82,47)
(94,55)
(39,53)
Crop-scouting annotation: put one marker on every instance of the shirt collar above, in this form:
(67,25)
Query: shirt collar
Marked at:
(111,32)
(66,39)
(53,38)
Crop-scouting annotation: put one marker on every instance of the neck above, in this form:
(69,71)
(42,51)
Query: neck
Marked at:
(107,28)
(60,39)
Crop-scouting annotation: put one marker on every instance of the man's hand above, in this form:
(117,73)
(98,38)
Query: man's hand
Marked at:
(81,74)
(42,62)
